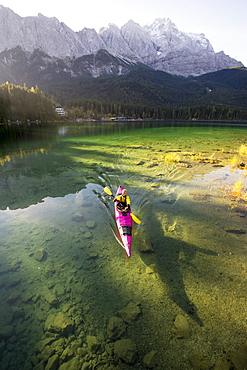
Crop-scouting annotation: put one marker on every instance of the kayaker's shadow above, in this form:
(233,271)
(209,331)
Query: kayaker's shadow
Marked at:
(167,257)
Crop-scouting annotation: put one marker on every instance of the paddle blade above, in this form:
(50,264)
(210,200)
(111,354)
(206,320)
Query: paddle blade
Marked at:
(136,219)
(107,191)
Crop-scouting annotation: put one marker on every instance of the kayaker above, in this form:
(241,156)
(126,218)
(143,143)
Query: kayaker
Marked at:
(123,200)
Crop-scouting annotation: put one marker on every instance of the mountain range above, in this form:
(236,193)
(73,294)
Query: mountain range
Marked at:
(153,66)
(24,41)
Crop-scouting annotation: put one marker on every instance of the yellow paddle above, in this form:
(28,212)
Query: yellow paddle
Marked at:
(107,191)
(136,219)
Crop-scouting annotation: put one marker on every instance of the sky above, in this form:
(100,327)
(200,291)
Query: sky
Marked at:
(223,22)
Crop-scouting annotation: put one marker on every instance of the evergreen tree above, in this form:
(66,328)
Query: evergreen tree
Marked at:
(22,104)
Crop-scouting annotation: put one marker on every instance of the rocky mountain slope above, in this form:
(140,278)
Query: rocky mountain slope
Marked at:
(18,66)
(160,45)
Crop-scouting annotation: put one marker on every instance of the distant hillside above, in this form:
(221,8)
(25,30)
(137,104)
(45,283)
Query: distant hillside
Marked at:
(156,88)
(232,78)
(228,87)
(144,87)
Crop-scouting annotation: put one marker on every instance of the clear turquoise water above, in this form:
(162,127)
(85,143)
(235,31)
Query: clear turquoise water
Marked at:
(188,253)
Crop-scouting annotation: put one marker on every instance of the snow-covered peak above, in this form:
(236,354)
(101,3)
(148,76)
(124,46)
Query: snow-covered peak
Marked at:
(138,40)
(91,40)
(201,40)
(131,24)
(161,26)
(115,42)
(131,27)
(111,26)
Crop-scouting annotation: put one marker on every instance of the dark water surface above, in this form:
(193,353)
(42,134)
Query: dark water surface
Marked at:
(63,275)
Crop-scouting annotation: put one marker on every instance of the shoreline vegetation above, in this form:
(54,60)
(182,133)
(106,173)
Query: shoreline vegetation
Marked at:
(96,110)
(23,104)
(20,104)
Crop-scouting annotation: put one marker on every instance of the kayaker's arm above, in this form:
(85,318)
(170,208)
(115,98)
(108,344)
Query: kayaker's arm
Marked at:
(118,198)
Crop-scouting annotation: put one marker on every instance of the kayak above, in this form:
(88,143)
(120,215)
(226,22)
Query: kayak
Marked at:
(124,224)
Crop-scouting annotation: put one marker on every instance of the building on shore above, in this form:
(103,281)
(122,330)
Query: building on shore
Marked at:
(60,111)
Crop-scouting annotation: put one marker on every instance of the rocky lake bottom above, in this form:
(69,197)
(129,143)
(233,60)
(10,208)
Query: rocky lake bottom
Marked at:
(69,297)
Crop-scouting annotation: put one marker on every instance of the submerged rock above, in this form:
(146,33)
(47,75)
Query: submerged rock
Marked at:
(125,349)
(239,357)
(67,354)
(88,235)
(94,344)
(52,363)
(86,366)
(48,322)
(150,164)
(49,272)
(39,346)
(40,254)
(61,324)
(82,229)
(40,365)
(182,327)
(50,297)
(199,361)
(73,364)
(222,364)
(150,270)
(78,217)
(150,360)
(90,224)
(47,353)
(27,296)
(92,256)
(182,256)
(59,345)
(130,312)
(235,230)
(140,163)
(115,328)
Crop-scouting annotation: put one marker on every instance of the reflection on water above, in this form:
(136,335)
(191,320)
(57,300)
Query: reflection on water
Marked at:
(65,284)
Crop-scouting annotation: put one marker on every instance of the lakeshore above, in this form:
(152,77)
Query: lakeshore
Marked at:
(68,295)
